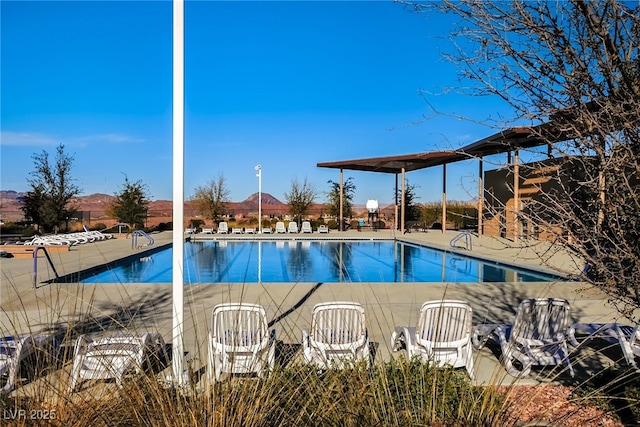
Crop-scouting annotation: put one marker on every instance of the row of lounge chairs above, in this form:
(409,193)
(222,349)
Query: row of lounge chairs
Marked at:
(69,239)
(223,228)
(240,341)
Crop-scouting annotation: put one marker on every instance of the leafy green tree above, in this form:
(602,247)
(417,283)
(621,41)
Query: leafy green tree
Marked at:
(31,203)
(412,210)
(211,200)
(131,204)
(48,204)
(300,198)
(573,65)
(333,197)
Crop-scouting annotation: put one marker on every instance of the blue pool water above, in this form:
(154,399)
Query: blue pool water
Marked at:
(313,261)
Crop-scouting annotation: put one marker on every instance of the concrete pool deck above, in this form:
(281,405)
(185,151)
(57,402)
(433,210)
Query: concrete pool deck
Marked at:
(140,307)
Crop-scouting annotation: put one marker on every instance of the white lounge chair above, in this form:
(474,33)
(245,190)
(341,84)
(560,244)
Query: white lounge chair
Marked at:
(98,234)
(538,336)
(190,230)
(49,241)
(266,230)
(306,227)
(338,337)
(293,227)
(280,228)
(115,356)
(628,337)
(223,228)
(442,335)
(15,351)
(207,230)
(249,230)
(239,341)
(236,230)
(323,229)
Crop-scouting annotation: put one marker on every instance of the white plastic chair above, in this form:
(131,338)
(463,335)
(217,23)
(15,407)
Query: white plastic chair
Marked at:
(306,227)
(14,351)
(442,335)
(115,356)
(293,227)
(628,337)
(223,228)
(338,337)
(239,341)
(538,336)
(280,228)
(323,229)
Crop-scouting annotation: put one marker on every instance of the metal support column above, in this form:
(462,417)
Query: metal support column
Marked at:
(341,199)
(444,198)
(402,206)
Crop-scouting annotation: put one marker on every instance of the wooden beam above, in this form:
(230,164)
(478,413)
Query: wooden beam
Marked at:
(516,196)
(480,194)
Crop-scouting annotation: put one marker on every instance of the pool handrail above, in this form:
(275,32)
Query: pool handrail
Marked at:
(35,264)
(467,241)
(134,239)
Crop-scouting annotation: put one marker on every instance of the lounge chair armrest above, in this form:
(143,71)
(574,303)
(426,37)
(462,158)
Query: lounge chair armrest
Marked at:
(593,330)
(571,336)
(402,338)
(81,342)
(635,336)
(481,334)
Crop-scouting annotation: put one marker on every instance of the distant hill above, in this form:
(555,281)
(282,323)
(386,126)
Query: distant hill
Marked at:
(267,199)
(10,195)
(96,205)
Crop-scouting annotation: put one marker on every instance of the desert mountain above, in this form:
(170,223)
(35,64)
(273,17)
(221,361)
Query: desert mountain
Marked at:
(96,206)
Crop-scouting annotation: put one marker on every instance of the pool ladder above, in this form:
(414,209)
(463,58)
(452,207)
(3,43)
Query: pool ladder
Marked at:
(134,239)
(467,241)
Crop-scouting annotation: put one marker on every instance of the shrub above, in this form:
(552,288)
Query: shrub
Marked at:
(613,389)
(18,228)
(163,226)
(197,223)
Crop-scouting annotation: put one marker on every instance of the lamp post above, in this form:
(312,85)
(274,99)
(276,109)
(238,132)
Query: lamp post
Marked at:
(259,175)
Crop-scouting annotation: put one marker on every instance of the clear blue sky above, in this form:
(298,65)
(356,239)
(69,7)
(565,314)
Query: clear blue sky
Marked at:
(281,84)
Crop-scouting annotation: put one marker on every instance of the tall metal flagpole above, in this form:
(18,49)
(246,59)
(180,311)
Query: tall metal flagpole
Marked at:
(178,194)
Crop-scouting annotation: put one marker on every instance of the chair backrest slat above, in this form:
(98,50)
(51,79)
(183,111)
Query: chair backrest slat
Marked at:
(541,319)
(340,324)
(239,325)
(444,321)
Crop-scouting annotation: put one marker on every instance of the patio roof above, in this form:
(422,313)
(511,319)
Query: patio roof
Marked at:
(394,164)
(508,140)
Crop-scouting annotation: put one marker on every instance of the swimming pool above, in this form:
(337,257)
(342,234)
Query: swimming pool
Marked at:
(313,261)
